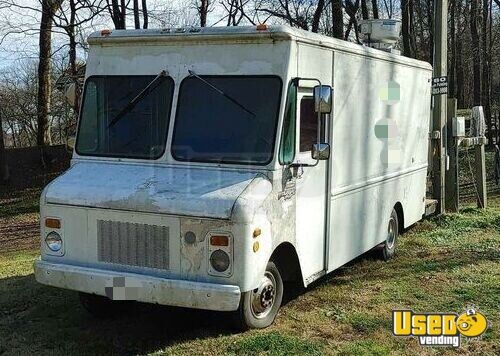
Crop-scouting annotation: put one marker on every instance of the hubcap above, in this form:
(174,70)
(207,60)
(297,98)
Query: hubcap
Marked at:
(263,296)
(391,233)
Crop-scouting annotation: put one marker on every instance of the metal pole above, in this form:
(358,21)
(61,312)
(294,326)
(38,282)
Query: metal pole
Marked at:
(451,200)
(439,111)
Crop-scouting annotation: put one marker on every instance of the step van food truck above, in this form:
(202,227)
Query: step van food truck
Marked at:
(213,165)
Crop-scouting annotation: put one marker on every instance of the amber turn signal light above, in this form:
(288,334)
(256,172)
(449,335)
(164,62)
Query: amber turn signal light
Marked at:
(262,27)
(219,240)
(53,223)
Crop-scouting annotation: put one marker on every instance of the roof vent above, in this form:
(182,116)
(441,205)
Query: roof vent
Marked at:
(381,34)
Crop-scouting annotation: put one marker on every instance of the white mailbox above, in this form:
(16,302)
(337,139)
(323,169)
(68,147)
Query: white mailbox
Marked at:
(458,126)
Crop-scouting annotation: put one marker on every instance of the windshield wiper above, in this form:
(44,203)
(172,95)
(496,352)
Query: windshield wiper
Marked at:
(234,101)
(132,103)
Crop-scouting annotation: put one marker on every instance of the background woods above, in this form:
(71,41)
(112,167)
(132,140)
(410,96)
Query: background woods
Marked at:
(43,49)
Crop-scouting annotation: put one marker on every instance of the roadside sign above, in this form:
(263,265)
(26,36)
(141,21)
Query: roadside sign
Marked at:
(439,85)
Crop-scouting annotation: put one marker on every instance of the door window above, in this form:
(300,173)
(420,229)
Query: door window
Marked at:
(287,147)
(308,124)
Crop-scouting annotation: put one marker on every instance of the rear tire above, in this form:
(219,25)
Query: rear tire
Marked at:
(259,307)
(101,307)
(389,246)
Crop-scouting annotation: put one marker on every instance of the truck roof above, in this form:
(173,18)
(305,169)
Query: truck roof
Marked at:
(242,34)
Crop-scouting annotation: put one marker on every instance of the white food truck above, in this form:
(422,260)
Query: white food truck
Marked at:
(212,165)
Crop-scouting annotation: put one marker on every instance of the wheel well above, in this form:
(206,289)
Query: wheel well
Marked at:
(401,218)
(286,259)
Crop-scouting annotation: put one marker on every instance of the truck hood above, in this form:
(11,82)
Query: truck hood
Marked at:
(209,193)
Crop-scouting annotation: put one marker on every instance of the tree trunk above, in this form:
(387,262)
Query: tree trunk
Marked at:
(476,52)
(123,13)
(337,19)
(203,11)
(317,16)
(459,65)
(485,88)
(375,9)
(405,28)
(351,10)
(72,55)
(4,168)
(430,20)
(117,12)
(44,69)
(452,93)
(145,16)
(137,23)
(364,10)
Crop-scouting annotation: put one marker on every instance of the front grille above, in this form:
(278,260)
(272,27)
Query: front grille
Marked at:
(133,244)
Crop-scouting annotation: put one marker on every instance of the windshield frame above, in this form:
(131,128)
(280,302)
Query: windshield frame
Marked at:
(272,152)
(170,101)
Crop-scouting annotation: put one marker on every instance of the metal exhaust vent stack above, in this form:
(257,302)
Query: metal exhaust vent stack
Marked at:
(381,34)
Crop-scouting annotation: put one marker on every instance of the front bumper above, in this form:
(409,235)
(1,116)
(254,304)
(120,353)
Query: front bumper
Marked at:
(131,286)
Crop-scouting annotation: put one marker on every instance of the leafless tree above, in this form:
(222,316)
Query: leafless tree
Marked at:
(303,14)
(71,19)
(351,8)
(204,7)
(476,49)
(4,168)
(337,19)
(49,7)
(118,13)
(406,26)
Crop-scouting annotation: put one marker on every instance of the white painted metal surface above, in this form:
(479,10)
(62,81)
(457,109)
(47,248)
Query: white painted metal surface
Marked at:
(146,188)
(142,288)
(329,213)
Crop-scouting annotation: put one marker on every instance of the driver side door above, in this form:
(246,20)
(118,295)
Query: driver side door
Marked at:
(311,187)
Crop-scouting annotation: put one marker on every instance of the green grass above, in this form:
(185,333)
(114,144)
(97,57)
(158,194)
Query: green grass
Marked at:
(20,202)
(442,265)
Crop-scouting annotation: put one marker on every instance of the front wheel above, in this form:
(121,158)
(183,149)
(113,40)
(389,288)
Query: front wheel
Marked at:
(259,307)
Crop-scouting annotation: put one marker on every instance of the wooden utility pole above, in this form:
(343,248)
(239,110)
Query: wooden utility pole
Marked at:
(451,201)
(439,111)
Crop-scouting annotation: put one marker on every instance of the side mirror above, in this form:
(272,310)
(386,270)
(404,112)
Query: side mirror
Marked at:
(320,151)
(323,99)
(70,143)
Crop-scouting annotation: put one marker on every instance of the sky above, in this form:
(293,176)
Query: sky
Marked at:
(19,25)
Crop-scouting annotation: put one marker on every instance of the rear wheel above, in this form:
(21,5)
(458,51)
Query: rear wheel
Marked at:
(389,246)
(259,307)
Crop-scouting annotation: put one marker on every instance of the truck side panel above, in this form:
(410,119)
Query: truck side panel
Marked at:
(379,150)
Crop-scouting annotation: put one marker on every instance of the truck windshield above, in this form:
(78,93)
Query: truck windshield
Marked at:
(141,131)
(211,128)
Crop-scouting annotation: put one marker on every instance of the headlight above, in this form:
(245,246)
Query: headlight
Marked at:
(54,241)
(219,260)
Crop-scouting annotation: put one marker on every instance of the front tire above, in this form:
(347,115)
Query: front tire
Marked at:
(389,246)
(259,307)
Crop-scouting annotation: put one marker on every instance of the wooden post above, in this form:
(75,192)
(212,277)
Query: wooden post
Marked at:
(480,176)
(451,197)
(439,111)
